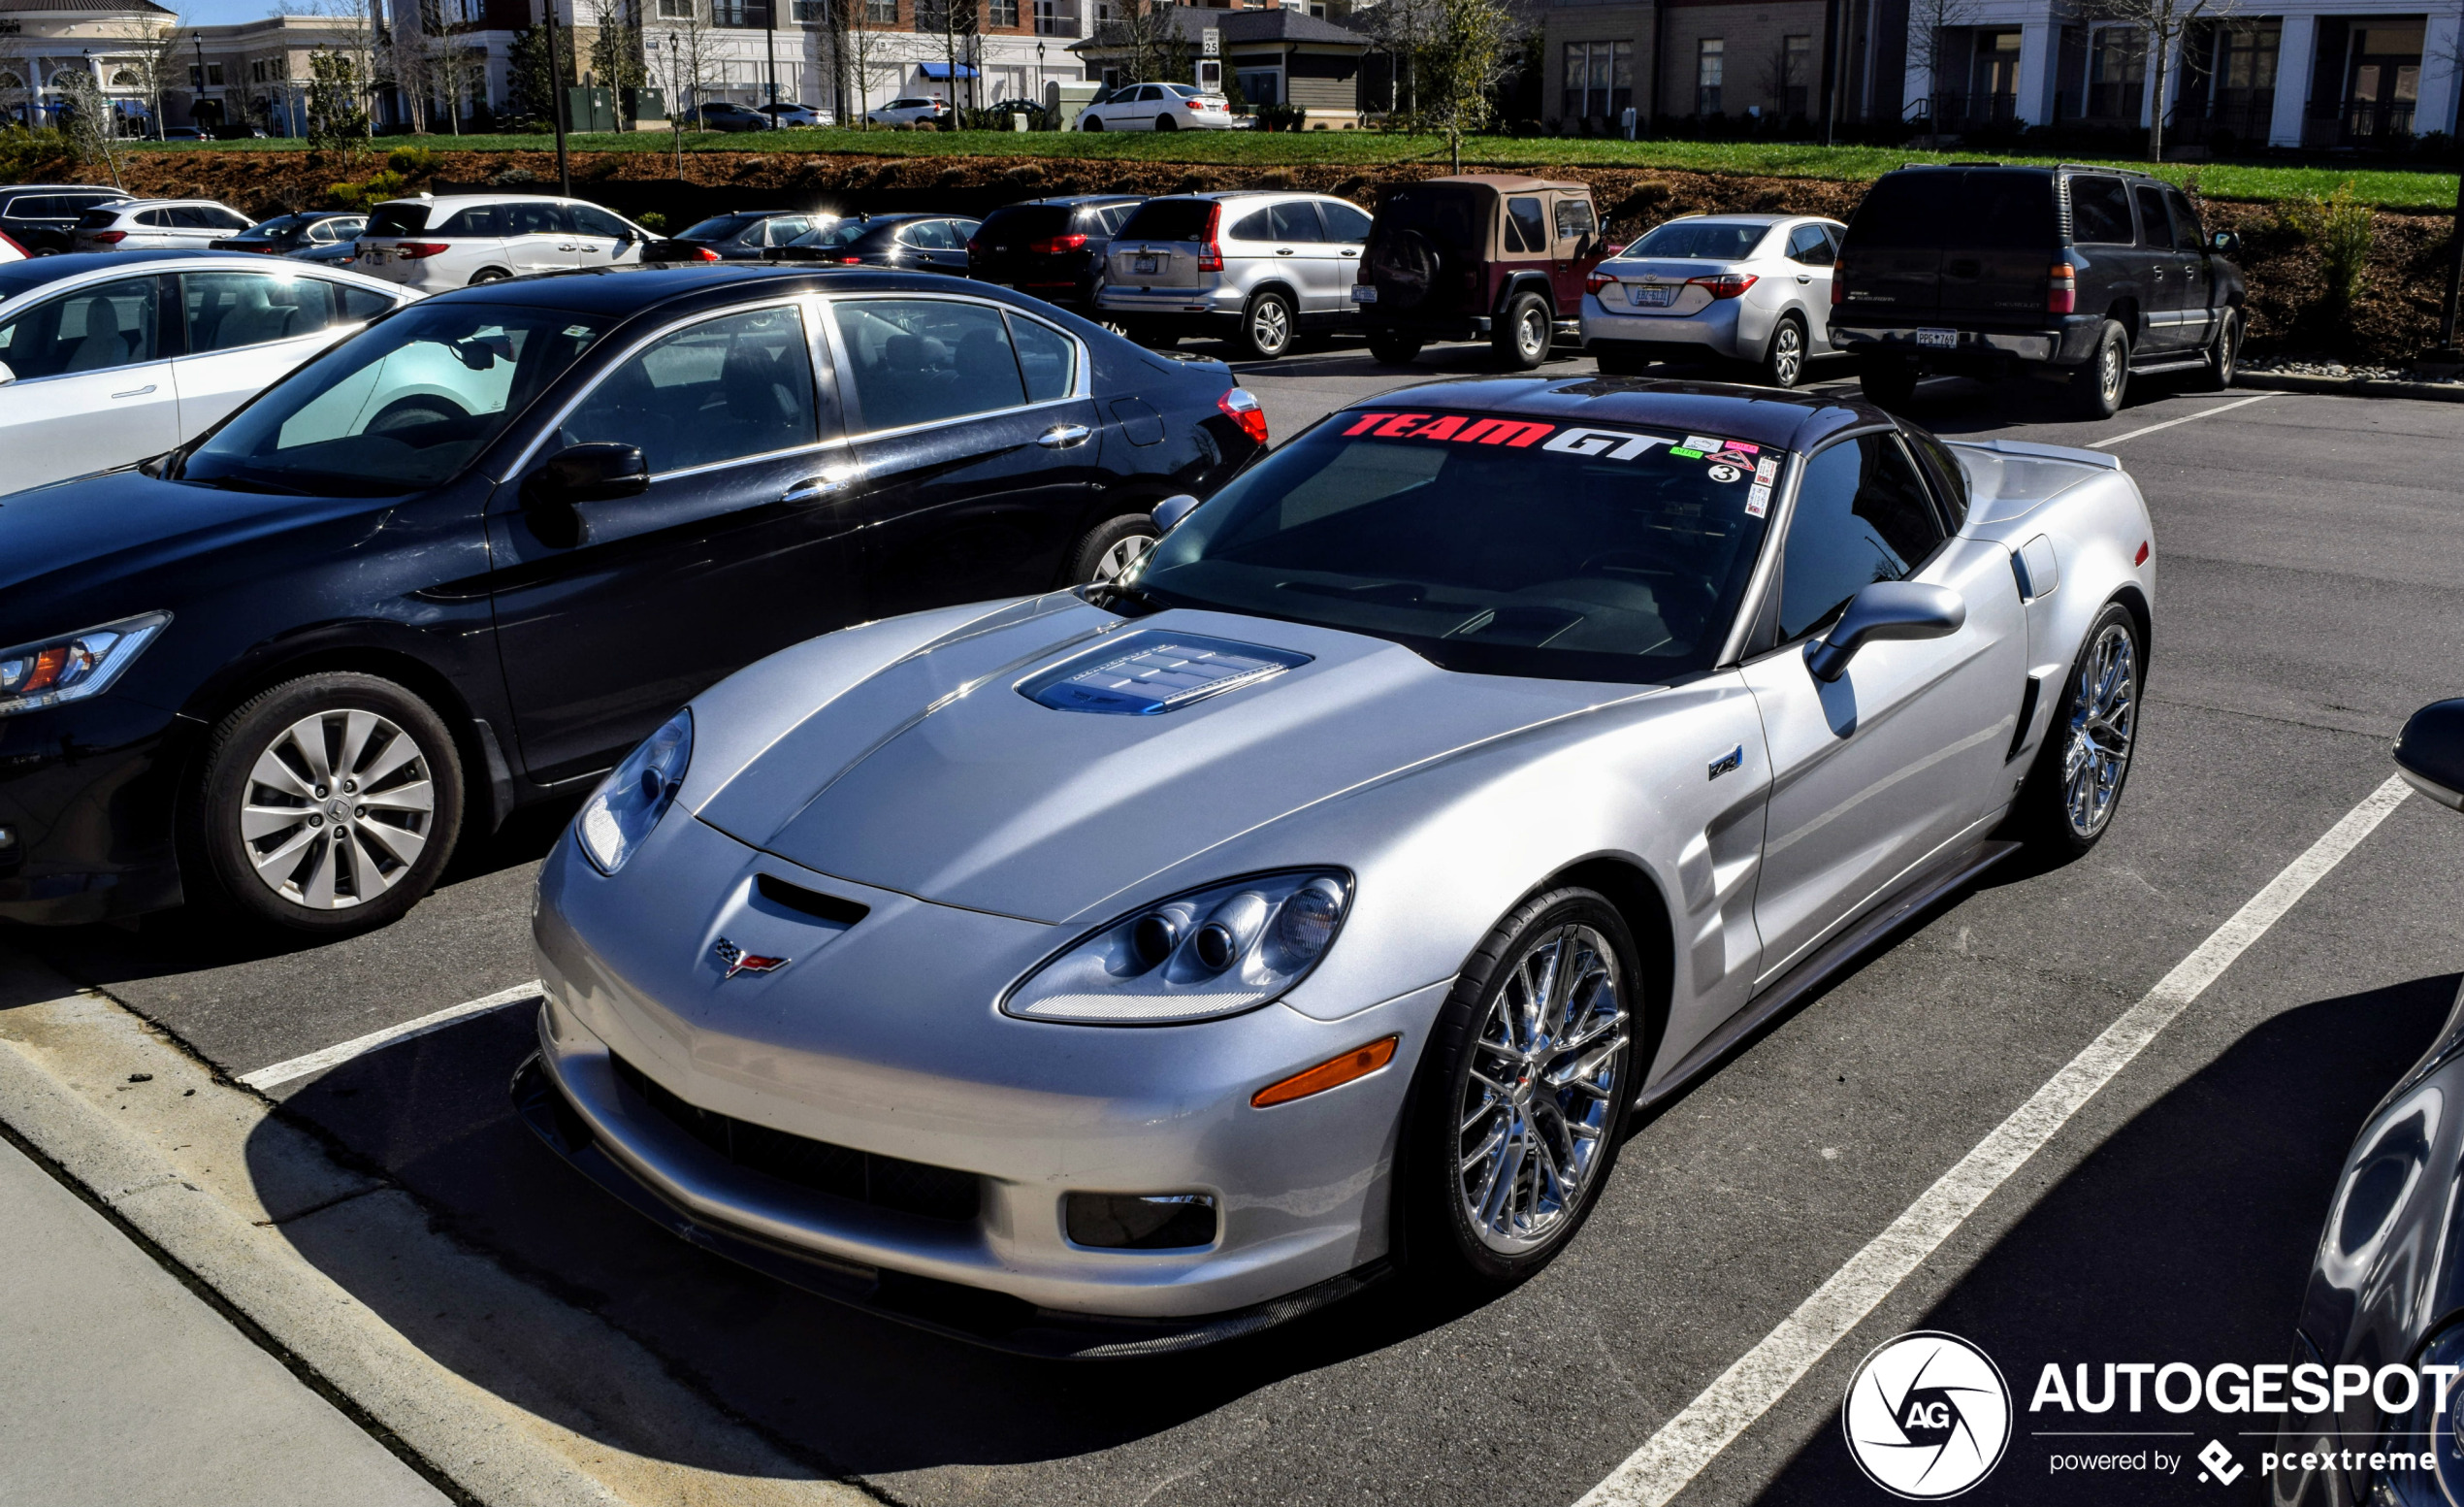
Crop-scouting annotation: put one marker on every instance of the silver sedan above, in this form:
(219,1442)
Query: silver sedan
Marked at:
(1125,968)
(1751,288)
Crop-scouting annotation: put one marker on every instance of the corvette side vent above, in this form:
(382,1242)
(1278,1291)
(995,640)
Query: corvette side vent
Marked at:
(1150,671)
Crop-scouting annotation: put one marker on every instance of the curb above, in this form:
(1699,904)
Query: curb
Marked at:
(2349,386)
(518,1400)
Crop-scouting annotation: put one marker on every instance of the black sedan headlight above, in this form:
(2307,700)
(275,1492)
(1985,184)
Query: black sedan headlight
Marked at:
(1198,956)
(73,666)
(627,805)
(2429,1432)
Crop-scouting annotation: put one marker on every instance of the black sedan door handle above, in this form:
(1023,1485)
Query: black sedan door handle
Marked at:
(813,489)
(1060,437)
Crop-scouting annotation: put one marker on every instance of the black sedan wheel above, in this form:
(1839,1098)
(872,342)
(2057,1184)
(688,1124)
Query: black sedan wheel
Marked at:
(1522,1094)
(330,804)
(1111,547)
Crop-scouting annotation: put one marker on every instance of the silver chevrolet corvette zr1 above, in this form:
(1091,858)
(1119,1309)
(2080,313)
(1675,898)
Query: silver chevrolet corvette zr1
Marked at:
(1116,971)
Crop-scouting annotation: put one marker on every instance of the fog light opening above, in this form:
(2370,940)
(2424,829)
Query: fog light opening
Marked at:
(1334,1072)
(1139,1221)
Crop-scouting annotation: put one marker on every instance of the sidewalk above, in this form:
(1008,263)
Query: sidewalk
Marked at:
(122,1387)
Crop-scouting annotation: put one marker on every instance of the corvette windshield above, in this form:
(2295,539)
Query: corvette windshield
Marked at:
(1490,545)
(397,409)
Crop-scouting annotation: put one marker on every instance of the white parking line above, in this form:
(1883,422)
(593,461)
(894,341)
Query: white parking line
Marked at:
(1690,1440)
(343,1052)
(2185,418)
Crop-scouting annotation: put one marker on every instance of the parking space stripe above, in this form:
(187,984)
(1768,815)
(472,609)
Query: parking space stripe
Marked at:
(1690,1440)
(2185,418)
(341,1052)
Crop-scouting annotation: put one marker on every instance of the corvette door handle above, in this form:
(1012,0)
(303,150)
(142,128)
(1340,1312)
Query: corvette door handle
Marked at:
(1060,437)
(1805,276)
(134,392)
(1351,253)
(812,489)
(1283,250)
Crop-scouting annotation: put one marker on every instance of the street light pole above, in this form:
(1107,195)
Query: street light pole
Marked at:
(556,105)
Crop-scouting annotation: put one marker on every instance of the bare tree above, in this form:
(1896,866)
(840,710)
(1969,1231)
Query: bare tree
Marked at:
(454,67)
(151,47)
(90,129)
(616,55)
(1401,29)
(2161,25)
(1468,51)
(1930,24)
(683,56)
(868,43)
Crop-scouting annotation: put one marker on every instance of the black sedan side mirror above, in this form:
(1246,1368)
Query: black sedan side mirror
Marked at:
(1885,610)
(2429,753)
(586,474)
(2225,244)
(1171,510)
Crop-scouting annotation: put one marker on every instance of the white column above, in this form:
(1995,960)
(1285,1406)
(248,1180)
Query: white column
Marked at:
(2149,104)
(2038,47)
(2441,63)
(2295,57)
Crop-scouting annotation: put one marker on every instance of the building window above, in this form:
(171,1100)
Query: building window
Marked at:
(881,12)
(1796,75)
(1003,14)
(731,13)
(1710,65)
(809,13)
(1055,17)
(1261,86)
(675,9)
(1600,80)
(2117,73)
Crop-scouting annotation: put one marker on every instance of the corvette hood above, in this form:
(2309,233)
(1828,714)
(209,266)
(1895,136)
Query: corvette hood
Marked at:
(938,775)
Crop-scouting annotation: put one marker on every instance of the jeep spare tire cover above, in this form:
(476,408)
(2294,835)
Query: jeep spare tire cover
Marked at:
(1402,266)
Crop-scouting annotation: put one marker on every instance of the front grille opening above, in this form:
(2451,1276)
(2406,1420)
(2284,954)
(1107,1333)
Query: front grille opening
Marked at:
(841,1171)
(1139,1221)
(810,902)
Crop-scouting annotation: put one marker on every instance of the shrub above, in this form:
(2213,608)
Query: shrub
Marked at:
(413,161)
(29,156)
(651,219)
(1281,118)
(376,189)
(2338,229)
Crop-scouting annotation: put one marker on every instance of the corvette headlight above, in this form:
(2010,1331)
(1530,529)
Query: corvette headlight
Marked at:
(74,665)
(1211,952)
(630,801)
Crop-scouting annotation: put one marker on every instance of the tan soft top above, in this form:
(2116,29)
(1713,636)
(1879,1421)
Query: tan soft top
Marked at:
(1509,182)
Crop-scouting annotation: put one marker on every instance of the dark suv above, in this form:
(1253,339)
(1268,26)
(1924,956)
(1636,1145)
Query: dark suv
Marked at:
(2085,274)
(1479,256)
(41,216)
(1053,248)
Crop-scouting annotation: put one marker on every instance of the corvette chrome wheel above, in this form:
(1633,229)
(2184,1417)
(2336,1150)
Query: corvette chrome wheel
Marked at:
(2103,723)
(338,808)
(1543,1091)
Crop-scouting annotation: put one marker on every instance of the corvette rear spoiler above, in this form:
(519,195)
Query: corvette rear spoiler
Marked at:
(2035,452)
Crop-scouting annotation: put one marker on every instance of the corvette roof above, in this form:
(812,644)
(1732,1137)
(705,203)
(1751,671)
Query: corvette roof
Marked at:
(1765,416)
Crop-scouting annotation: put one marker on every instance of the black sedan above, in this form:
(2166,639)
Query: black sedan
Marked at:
(741,236)
(723,115)
(1051,248)
(923,242)
(467,558)
(292,235)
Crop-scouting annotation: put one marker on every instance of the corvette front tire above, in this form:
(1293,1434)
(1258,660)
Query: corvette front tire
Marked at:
(1522,1095)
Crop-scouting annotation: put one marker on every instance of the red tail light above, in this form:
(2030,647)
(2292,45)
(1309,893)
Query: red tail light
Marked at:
(1838,283)
(1241,407)
(2062,289)
(413,250)
(704,254)
(1595,281)
(1058,244)
(975,247)
(109,237)
(1211,255)
(851,261)
(1728,285)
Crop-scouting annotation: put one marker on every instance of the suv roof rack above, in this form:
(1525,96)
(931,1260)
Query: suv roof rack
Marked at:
(2103,167)
(1973,164)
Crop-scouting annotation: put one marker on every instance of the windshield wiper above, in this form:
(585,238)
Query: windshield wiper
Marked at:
(1114,594)
(239,483)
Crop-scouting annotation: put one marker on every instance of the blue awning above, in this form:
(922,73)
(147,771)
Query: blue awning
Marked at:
(946,70)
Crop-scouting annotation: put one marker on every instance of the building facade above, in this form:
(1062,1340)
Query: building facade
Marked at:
(1745,63)
(1284,54)
(2318,75)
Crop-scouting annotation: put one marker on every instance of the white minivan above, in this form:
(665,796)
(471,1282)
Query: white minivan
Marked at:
(456,240)
(108,360)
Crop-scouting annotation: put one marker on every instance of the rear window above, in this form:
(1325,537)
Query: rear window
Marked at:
(1981,209)
(717,228)
(1028,219)
(1454,217)
(398,219)
(98,219)
(1169,219)
(1688,239)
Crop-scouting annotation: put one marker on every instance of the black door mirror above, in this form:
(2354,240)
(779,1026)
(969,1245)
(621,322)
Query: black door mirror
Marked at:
(1885,610)
(586,474)
(2429,753)
(2225,244)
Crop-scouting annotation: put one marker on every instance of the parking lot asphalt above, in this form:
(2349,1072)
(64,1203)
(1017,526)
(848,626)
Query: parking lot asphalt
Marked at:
(2309,563)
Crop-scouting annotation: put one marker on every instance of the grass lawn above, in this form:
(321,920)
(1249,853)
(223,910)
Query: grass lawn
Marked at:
(2394,189)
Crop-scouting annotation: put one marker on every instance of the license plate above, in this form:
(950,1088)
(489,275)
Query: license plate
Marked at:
(1651,297)
(1362,295)
(1942,340)
(1144,266)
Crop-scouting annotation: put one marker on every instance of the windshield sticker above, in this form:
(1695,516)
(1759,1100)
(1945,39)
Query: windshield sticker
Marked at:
(1460,428)
(1617,444)
(1687,452)
(1767,469)
(1699,442)
(1726,473)
(1757,501)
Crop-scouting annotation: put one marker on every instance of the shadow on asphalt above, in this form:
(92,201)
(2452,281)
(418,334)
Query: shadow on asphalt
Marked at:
(851,1393)
(2186,1236)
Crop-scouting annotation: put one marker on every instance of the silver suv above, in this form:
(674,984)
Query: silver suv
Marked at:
(1252,267)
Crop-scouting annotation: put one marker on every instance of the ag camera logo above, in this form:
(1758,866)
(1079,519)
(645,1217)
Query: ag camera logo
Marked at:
(1927,1416)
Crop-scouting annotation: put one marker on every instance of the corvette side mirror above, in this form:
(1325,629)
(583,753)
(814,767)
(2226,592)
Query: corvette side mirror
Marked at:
(1171,510)
(2429,753)
(1885,610)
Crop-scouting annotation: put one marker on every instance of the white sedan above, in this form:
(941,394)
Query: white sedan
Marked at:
(1158,107)
(909,110)
(1749,288)
(91,380)
(792,116)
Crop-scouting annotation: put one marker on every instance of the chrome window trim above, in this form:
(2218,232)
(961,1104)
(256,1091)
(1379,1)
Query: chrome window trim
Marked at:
(531,452)
(747,460)
(1081,385)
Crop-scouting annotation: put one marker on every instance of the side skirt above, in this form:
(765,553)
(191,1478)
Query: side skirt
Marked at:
(1828,962)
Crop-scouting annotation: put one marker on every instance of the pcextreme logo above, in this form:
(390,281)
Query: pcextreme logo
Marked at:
(1927,1416)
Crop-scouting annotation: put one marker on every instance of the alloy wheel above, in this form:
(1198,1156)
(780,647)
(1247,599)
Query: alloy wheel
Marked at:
(1541,1094)
(1121,555)
(2110,365)
(338,808)
(1270,325)
(1531,335)
(2103,723)
(1787,354)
